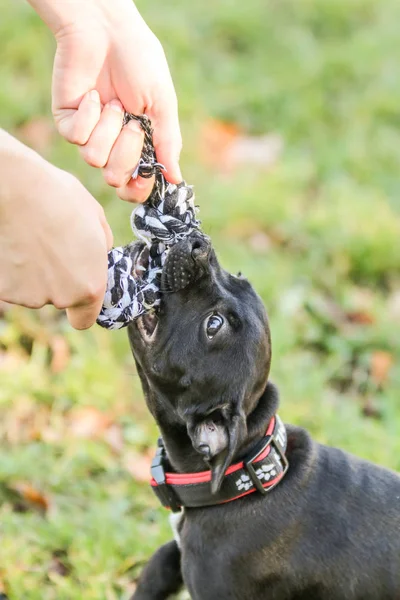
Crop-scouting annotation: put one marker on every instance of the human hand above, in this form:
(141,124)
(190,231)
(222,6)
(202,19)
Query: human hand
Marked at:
(108,60)
(54,237)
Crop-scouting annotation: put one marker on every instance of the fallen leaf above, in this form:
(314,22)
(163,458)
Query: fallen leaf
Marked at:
(381,364)
(59,564)
(24,420)
(217,138)
(114,438)
(38,133)
(262,151)
(88,422)
(360,317)
(60,353)
(226,148)
(370,410)
(2,588)
(31,495)
(260,242)
(138,465)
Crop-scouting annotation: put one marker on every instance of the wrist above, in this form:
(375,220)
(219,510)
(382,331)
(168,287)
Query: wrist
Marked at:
(20,166)
(64,15)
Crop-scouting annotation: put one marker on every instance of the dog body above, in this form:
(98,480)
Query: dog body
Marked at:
(330,530)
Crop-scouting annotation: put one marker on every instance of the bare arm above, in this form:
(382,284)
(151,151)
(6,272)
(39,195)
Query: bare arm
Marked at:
(53,237)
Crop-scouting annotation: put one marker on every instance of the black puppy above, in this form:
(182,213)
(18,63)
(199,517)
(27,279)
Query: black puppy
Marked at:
(328,530)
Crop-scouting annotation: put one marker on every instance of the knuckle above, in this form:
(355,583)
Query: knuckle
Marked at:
(60,303)
(39,303)
(111,178)
(93,157)
(92,293)
(75,135)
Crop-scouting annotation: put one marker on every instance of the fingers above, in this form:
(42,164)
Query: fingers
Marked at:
(122,162)
(77,125)
(85,315)
(105,145)
(136,190)
(167,138)
(97,150)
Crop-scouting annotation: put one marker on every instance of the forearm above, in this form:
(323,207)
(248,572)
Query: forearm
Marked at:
(60,14)
(20,168)
(14,158)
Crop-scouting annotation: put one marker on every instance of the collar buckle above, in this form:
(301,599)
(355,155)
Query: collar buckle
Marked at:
(166,493)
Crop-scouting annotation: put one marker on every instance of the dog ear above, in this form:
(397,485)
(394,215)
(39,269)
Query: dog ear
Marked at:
(221,462)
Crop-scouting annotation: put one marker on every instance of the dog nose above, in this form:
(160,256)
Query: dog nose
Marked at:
(205,450)
(200,248)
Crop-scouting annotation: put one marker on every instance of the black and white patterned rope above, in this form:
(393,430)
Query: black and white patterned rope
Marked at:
(168,216)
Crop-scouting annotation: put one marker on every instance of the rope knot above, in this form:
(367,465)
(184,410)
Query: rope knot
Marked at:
(167,217)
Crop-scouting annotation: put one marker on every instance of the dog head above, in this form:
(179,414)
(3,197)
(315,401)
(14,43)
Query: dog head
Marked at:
(204,357)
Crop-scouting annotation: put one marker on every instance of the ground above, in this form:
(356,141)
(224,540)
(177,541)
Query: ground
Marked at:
(290,117)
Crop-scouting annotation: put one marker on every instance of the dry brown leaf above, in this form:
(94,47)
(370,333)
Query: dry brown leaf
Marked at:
(248,230)
(225,147)
(3,590)
(370,410)
(114,438)
(59,564)
(24,420)
(217,138)
(381,364)
(138,465)
(88,422)
(360,317)
(31,494)
(260,242)
(262,151)
(38,133)
(60,353)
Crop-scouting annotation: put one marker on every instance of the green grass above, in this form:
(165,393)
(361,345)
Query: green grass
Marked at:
(325,77)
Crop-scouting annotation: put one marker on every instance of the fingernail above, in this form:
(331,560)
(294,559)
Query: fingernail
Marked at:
(134,126)
(115,105)
(94,96)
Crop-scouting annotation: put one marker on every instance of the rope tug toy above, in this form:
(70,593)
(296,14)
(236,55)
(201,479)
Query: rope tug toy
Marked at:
(167,217)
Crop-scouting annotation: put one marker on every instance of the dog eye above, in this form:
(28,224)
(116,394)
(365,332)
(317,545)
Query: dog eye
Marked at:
(214,324)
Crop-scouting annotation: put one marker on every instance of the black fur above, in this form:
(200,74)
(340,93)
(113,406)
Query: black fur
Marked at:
(329,531)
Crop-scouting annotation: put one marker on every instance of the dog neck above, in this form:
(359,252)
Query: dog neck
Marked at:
(181,454)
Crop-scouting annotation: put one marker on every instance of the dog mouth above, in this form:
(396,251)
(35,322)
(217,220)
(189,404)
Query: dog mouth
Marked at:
(147,325)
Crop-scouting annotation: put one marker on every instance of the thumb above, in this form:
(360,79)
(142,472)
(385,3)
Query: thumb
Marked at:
(85,315)
(167,139)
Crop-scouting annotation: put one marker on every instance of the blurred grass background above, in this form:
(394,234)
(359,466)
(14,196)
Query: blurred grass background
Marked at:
(290,116)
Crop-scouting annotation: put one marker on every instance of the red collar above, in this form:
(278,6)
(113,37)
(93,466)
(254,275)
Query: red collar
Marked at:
(261,470)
